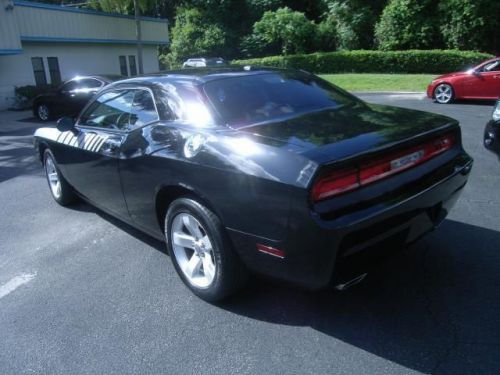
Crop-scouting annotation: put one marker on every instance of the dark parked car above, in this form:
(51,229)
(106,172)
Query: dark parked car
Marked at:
(480,82)
(70,98)
(492,131)
(274,171)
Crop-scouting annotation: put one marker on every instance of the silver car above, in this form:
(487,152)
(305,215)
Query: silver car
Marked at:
(202,62)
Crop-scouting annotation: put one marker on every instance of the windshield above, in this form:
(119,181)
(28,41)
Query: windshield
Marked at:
(251,99)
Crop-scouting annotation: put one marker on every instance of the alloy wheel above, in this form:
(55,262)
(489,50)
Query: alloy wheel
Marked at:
(43,112)
(443,93)
(53,177)
(193,250)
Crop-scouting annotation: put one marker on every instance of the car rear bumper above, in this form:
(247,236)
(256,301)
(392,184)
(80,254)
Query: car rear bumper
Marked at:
(315,245)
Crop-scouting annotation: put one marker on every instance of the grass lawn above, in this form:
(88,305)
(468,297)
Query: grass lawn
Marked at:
(381,82)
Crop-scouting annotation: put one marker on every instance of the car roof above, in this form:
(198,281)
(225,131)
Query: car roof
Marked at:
(101,77)
(488,61)
(108,77)
(198,75)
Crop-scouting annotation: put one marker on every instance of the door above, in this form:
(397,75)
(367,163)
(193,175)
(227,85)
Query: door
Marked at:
(75,94)
(483,82)
(492,73)
(91,165)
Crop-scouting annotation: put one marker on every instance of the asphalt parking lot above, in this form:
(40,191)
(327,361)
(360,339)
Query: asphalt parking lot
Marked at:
(81,292)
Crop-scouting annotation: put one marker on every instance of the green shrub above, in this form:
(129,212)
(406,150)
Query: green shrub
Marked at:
(411,61)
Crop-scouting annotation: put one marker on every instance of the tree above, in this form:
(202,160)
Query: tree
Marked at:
(289,30)
(192,36)
(471,24)
(354,23)
(326,37)
(124,7)
(408,24)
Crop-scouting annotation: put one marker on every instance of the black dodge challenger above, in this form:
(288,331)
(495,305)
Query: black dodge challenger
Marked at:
(255,169)
(492,131)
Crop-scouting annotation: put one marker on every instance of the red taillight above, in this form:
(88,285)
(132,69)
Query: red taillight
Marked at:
(335,183)
(342,181)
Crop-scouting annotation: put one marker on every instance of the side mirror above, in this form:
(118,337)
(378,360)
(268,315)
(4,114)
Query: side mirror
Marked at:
(496,112)
(477,73)
(65,124)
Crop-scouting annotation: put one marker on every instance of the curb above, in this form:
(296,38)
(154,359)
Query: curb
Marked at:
(388,92)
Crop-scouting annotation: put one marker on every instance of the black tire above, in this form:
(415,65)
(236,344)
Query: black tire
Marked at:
(43,112)
(65,195)
(444,93)
(230,272)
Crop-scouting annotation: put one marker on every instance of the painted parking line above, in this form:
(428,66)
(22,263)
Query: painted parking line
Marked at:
(15,283)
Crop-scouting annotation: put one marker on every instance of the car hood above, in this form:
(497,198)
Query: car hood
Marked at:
(343,133)
(450,75)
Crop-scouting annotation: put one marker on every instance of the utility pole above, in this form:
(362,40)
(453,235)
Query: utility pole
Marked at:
(138,34)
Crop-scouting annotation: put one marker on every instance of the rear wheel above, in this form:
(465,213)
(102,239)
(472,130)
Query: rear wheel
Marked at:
(61,191)
(42,111)
(443,93)
(201,252)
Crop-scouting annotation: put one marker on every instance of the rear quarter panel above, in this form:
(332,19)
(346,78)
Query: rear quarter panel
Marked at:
(247,183)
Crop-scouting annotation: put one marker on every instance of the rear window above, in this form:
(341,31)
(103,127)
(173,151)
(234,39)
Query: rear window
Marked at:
(251,99)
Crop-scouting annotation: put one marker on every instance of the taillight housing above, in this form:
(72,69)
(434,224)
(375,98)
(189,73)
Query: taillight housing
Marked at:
(348,179)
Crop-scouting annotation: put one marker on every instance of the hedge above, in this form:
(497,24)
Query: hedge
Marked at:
(363,61)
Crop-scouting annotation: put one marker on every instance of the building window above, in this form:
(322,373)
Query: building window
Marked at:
(131,64)
(39,71)
(123,66)
(55,74)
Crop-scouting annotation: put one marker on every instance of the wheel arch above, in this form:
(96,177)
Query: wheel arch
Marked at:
(166,194)
(41,147)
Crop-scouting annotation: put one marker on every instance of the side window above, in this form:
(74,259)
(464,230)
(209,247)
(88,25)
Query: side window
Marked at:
(143,109)
(494,66)
(69,86)
(89,83)
(82,85)
(183,102)
(110,110)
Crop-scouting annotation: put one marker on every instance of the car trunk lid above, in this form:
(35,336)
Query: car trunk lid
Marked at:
(335,135)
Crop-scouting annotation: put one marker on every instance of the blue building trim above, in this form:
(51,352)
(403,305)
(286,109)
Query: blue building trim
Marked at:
(25,38)
(15,51)
(30,4)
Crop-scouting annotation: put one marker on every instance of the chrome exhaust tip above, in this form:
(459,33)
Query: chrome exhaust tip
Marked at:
(350,283)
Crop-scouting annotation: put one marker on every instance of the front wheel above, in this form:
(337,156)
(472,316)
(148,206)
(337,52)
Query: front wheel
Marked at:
(201,252)
(443,93)
(42,111)
(61,191)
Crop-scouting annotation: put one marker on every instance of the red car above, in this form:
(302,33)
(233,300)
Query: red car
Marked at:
(481,82)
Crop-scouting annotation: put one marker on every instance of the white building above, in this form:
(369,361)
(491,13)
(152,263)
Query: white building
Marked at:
(46,44)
